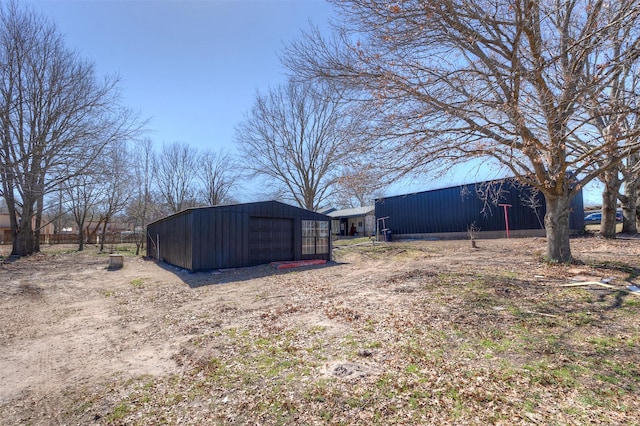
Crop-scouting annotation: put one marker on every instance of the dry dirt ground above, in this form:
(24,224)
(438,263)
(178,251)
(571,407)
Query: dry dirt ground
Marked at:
(420,332)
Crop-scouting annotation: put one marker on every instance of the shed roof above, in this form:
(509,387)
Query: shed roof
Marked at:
(236,207)
(354,212)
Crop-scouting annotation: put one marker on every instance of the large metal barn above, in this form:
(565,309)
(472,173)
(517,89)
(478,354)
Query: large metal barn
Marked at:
(487,206)
(238,235)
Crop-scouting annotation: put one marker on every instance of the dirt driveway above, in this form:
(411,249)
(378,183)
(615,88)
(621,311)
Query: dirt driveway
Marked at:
(80,343)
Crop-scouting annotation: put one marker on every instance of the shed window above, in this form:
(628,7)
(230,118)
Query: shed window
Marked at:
(315,237)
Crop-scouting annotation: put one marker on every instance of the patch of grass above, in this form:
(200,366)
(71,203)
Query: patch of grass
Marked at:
(351,341)
(547,375)
(317,329)
(412,369)
(632,302)
(123,249)
(602,345)
(373,345)
(370,325)
(138,282)
(82,408)
(499,345)
(320,390)
(61,250)
(345,242)
(582,318)
(118,413)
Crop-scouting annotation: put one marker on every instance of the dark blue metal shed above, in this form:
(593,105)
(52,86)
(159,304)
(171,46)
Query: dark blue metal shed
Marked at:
(450,211)
(239,235)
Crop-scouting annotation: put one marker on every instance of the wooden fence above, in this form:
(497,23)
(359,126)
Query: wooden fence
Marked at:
(114,238)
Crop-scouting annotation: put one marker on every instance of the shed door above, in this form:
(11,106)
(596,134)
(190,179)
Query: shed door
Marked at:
(270,240)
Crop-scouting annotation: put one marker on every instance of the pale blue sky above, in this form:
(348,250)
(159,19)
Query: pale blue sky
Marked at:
(193,67)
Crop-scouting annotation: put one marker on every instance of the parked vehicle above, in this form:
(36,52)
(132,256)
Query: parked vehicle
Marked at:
(596,217)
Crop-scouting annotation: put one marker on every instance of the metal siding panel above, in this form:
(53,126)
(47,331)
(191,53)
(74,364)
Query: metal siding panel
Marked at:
(245,239)
(207,235)
(230,240)
(297,238)
(576,218)
(218,242)
(439,209)
(226,240)
(188,241)
(208,242)
(235,240)
(239,239)
(435,210)
(197,230)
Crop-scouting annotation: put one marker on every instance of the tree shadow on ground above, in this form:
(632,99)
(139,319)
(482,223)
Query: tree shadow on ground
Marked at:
(233,275)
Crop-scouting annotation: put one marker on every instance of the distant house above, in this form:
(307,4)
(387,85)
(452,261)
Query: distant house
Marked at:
(359,221)
(5,229)
(6,236)
(450,212)
(231,236)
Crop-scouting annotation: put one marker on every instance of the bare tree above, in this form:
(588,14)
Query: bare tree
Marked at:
(358,185)
(140,207)
(82,194)
(296,135)
(117,182)
(504,79)
(175,169)
(614,113)
(630,166)
(61,217)
(55,117)
(218,173)
(630,193)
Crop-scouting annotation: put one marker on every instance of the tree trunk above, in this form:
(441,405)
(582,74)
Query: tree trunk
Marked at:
(609,205)
(556,222)
(24,238)
(612,185)
(37,227)
(638,211)
(24,241)
(7,185)
(630,207)
(80,238)
(103,234)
